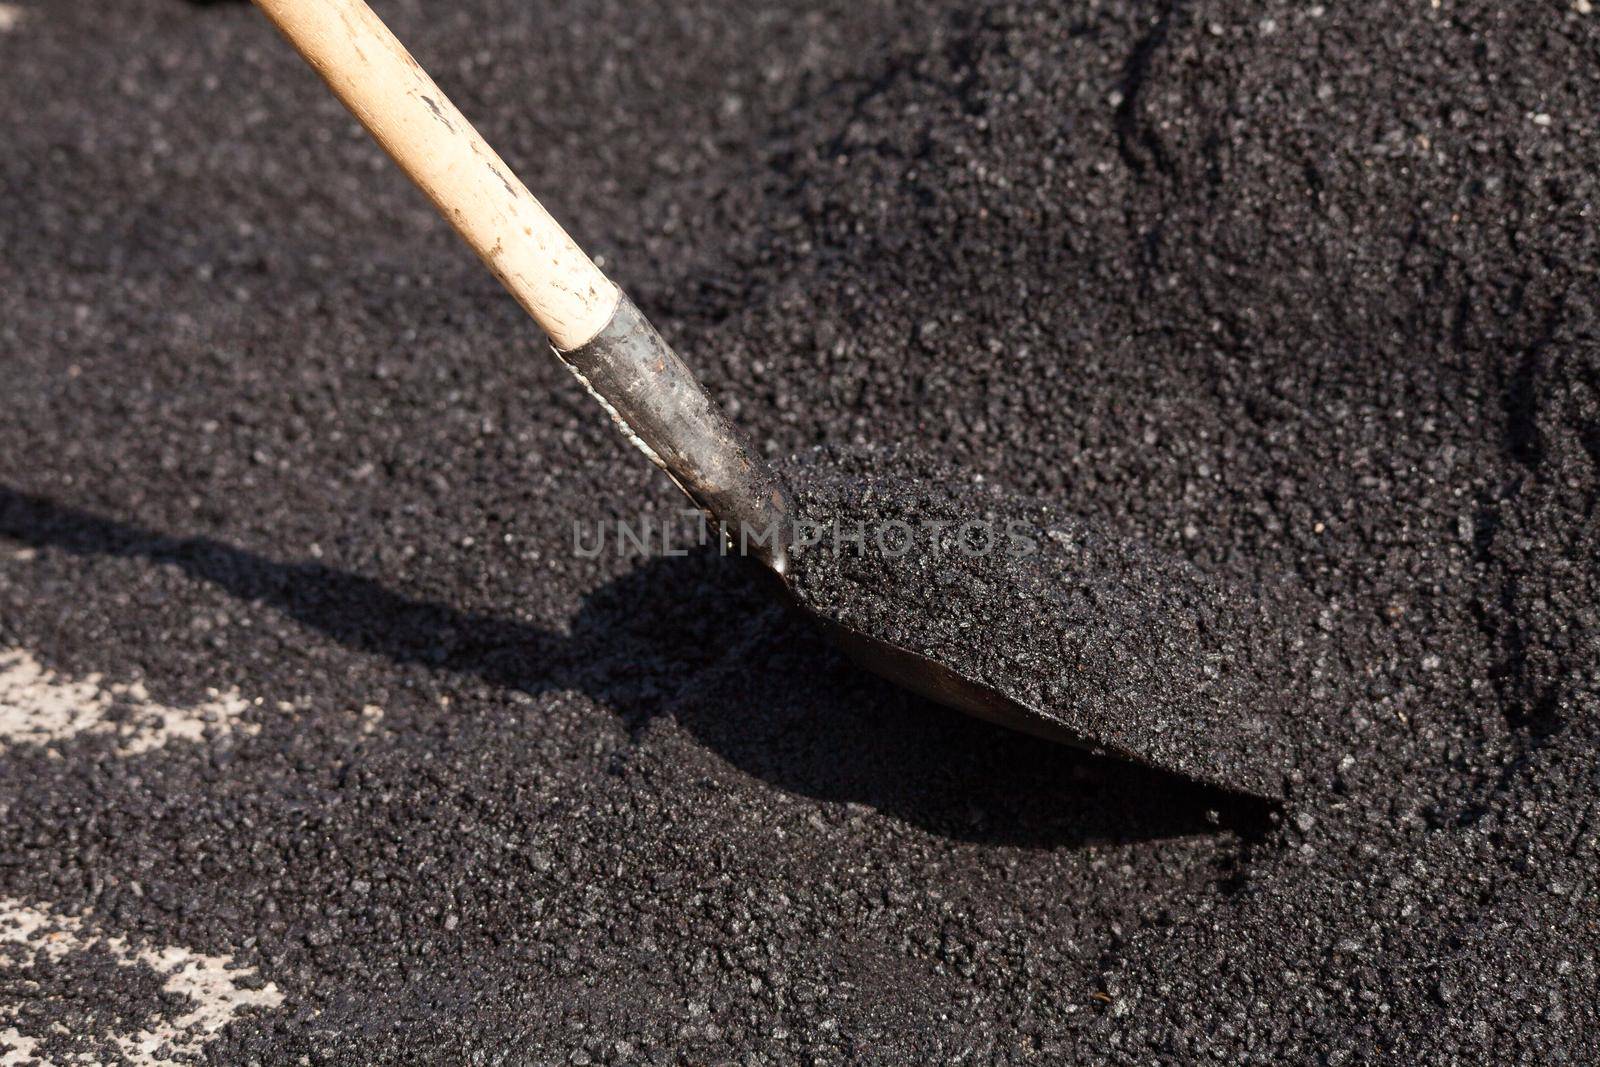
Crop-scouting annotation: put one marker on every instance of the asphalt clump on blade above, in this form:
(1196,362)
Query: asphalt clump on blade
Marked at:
(1298,293)
(1122,649)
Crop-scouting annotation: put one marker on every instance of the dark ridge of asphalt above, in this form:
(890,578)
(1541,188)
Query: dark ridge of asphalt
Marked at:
(1301,293)
(1104,643)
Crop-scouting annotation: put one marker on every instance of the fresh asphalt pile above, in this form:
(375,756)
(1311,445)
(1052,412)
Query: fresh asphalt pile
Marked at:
(1301,293)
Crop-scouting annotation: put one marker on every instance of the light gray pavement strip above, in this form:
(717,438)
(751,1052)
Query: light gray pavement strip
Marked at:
(38,706)
(216,988)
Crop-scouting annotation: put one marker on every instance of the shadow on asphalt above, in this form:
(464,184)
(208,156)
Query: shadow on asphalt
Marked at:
(701,639)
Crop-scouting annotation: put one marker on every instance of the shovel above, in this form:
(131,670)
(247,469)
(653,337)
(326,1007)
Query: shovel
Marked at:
(1133,704)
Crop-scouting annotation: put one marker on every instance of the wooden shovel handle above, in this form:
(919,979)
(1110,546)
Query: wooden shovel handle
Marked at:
(368,69)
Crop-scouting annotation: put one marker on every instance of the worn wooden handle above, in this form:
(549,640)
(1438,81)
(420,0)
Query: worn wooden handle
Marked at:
(368,69)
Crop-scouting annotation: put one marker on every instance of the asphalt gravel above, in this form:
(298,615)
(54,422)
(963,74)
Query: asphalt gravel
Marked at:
(1301,293)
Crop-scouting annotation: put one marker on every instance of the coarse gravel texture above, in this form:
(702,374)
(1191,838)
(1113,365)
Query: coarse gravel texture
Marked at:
(1301,293)
(1091,639)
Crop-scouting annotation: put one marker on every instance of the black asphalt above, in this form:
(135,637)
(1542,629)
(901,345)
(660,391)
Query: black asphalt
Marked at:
(1302,293)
